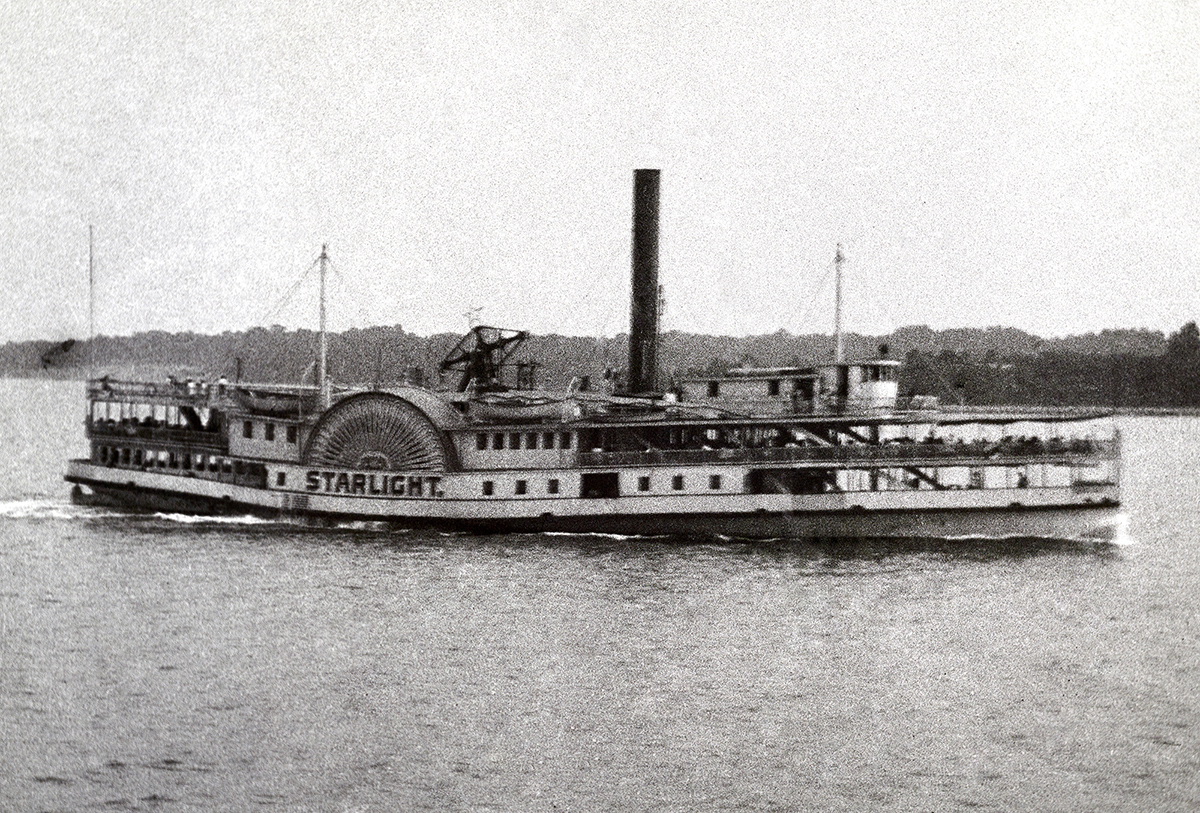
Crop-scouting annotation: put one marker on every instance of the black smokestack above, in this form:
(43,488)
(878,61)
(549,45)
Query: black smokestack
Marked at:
(643,317)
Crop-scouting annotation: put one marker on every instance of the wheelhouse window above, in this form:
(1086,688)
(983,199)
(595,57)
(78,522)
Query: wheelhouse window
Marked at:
(714,482)
(773,386)
(643,483)
(281,478)
(552,486)
(714,389)
(270,432)
(291,434)
(547,440)
(521,487)
(514,440)
(564,440)
(531,440)
(247,429)
(498,440)
(481,440)
(677,482)
(489,488)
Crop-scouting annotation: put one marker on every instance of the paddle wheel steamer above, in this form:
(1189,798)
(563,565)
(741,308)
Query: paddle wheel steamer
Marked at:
(824,451)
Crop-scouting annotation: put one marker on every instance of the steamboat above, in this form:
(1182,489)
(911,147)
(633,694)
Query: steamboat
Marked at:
(826,451)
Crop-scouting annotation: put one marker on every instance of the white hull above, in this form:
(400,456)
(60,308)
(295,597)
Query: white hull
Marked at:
(1057,512)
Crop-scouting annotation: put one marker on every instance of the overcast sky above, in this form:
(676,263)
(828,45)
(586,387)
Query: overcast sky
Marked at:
(1027,164)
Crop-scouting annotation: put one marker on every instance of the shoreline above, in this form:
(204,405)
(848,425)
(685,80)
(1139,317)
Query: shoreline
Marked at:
(1131,412)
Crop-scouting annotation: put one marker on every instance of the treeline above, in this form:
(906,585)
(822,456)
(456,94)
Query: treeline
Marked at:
(1124,368)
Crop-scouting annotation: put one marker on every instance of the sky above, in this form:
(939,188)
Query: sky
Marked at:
(1034,165)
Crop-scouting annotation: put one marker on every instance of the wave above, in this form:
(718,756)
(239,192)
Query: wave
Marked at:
(207,519)
(45,508)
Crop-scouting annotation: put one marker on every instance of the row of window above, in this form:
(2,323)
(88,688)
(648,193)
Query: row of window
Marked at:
(527,440)
(520,487)
(678,483)
(643,484)
(180,461)
(268,431)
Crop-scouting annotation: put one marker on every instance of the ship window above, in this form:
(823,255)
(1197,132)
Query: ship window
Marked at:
(552,486)
(677,482)
(498,440)
(281,479)
(291,435)
(247,429)
(489,488)
(714,482)
(125,457)
(643,483)
(270,432)
(173,460)
(773,386)
(564,440)
(548,440)
(187,462)
(481,441)
(531,440)
(162,460)
(103,454)
(714,389)
(521,487)
(226,467)
(514,440)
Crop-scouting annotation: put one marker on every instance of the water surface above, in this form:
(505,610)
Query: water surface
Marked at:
(156,662)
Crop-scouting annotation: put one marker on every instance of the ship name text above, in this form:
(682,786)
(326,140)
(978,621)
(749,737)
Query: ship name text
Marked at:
(373,484)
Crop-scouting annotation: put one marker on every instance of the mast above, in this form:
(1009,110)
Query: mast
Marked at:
(91,303)
(839,355)
(322,369)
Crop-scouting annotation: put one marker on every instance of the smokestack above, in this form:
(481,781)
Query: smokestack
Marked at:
(643,317)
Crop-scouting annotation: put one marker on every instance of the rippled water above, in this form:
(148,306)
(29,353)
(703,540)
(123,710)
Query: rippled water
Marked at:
(168,662)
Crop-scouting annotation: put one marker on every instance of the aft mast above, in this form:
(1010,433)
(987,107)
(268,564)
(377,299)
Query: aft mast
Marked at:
(839,354)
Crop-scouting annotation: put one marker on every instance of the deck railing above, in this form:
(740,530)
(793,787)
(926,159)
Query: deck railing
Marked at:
(900,454)
(191,437)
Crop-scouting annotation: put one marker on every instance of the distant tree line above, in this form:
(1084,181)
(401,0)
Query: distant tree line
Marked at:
(1122,368)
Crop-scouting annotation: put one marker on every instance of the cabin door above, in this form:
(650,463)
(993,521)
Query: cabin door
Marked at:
(599,484)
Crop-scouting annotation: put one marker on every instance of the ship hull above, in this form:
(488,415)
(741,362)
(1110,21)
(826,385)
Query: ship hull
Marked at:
(1097,519)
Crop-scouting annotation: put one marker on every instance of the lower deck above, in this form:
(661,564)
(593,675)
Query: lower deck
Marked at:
(754,504)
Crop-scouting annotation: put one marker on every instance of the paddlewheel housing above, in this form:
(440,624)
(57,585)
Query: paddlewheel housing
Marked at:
(377,431)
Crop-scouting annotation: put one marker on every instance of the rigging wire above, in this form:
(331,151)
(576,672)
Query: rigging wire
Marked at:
(271,313)
(277,308)
(815,300)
